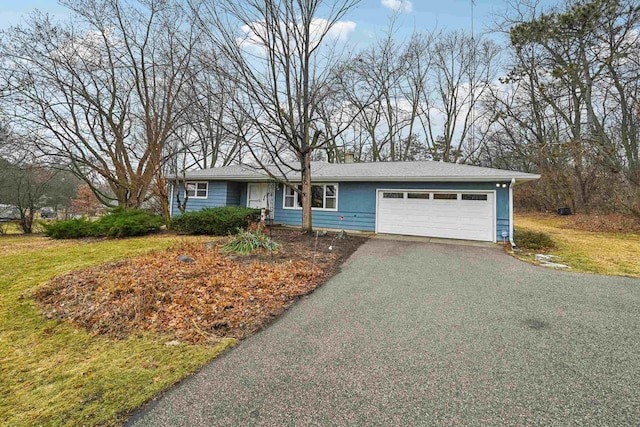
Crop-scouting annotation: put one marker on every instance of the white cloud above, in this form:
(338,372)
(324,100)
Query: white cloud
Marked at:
(88,49)
(341,30)
(402,6)
(254,33)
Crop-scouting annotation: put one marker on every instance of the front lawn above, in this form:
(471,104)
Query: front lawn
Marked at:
(61,364)
(53,373)
(615,253)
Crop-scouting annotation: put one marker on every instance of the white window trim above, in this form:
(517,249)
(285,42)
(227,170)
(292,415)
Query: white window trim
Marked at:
(324,198)
(195,196)
(284,198)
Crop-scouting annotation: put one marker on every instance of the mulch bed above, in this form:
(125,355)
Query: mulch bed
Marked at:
(199,302)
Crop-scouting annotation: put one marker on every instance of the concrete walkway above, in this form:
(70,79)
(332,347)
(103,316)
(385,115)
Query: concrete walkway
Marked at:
(428,334)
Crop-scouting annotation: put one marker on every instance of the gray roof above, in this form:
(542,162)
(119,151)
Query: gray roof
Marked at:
(376,171)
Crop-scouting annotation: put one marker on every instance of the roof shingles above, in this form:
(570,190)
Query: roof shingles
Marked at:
(376,171)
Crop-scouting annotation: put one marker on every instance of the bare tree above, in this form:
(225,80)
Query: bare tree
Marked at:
(99,91)
(29,186)
(461,71)
(278,50)
(384,85)
(379,70)
(209,98)
(426,91)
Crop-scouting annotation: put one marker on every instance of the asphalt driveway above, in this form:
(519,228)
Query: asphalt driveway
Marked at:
(423,334)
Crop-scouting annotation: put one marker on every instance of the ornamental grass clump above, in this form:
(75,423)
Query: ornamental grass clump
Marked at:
(245,242)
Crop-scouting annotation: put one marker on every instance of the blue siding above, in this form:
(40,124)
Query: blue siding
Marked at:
(502,225)
(217,196)
(357,204)
(328,219)
(502,213)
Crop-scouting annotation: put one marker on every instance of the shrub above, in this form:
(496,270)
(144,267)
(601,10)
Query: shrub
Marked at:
(215,221)
(119,223)
(247,241)
(532,240)
(127,222)
(69,229)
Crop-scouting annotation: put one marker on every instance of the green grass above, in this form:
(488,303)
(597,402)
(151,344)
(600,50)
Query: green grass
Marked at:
(614,254)
(14,227)
(54,374)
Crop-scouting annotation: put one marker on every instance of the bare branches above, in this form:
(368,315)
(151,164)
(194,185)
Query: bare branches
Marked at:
(277,60)
(101,90)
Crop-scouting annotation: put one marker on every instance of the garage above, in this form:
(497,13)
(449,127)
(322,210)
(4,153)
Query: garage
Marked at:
(468,215)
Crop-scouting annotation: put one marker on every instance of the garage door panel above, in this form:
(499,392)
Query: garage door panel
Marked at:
(457,219)
(444,219)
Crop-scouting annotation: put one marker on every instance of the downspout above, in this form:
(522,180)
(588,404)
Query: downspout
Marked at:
(171,202)
(513,244)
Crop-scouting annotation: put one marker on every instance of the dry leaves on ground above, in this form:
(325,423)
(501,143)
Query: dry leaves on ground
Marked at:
(596,222)
(608,223)
(198,301)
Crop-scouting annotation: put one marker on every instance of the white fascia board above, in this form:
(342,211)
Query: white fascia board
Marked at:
(226,178)
(372,179)
(425,179)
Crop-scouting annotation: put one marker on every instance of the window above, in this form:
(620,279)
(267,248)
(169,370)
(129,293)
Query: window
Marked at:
(445,196)
(474,197)
(198,190)
(386,195)
(323,196)
(418,195)
(317,196)
(292,198)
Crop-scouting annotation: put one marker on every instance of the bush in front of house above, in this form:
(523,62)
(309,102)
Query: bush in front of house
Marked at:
(69,229)
(215,221)
(119,223)
(533,240)
(127,222)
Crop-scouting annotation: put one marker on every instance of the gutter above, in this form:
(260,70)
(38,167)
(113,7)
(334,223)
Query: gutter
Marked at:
(513,244)
(316,178)
(171,202)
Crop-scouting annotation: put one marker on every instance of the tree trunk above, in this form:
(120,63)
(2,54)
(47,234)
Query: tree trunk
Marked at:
(165,200)
(26,220)
(161,191)
(305,163)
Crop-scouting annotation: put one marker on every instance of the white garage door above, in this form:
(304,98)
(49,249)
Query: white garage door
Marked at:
(446,214)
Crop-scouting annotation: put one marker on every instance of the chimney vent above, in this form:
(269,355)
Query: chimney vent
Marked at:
(348,157)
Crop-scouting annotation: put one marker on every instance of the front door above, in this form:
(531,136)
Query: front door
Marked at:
(261,196)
